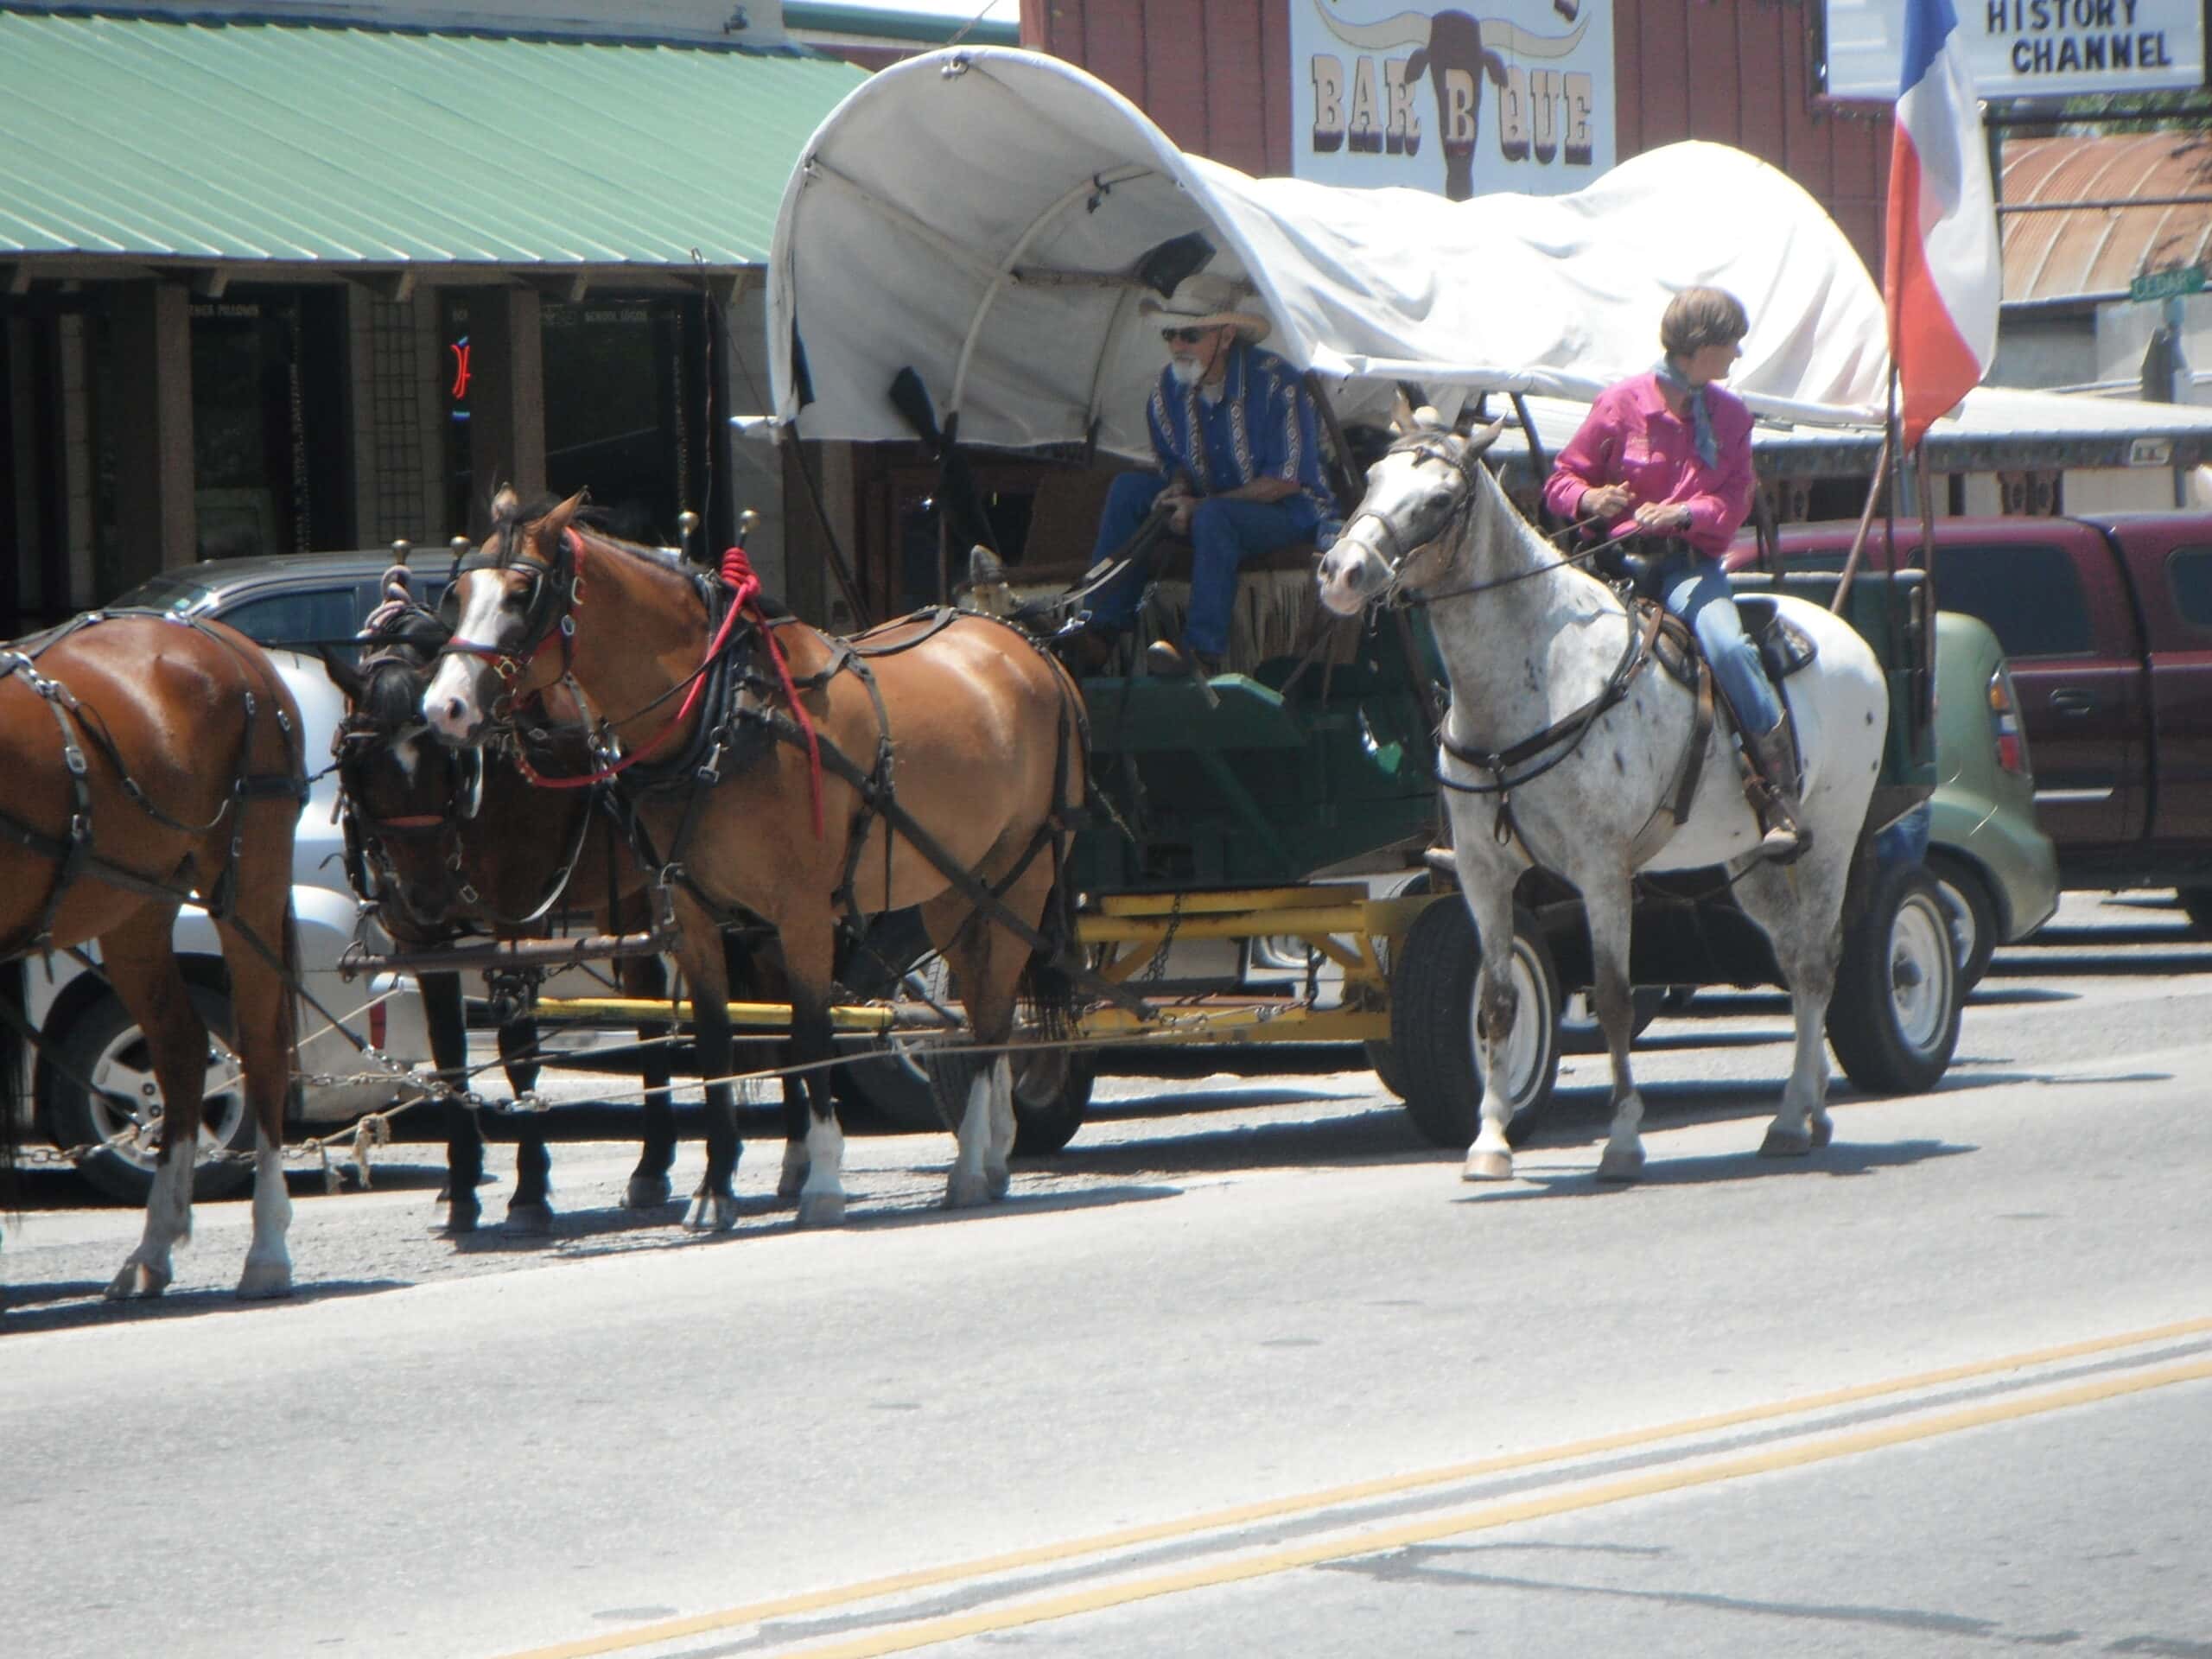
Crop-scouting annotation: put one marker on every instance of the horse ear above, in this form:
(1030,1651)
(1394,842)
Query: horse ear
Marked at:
(554,524)
(343,674)
(1401,414)
(506,505)
(1483,440)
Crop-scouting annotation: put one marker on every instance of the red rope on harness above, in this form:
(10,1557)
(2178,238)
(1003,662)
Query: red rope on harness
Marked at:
(737,571)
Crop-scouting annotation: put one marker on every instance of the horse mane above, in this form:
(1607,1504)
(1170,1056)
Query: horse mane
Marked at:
(676,564)
(395,661)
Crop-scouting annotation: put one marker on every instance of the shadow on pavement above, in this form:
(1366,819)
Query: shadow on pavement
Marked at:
(76,1305)
(1842,1159)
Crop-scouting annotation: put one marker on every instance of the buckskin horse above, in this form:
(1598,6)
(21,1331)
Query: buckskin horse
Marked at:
(446,845)
(151,759)
(1560,750)
(797,779)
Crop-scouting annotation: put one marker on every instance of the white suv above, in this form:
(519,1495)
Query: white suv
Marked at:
(303,600)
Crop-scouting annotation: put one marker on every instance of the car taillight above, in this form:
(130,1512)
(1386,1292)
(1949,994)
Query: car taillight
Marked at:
(2005,725)
(378,1024)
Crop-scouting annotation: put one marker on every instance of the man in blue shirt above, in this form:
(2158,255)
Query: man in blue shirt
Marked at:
(1241,473)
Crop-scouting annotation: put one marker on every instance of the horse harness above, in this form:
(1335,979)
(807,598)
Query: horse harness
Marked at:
(77,855)
(739,715)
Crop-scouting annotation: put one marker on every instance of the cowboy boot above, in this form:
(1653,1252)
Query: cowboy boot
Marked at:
(1772,790)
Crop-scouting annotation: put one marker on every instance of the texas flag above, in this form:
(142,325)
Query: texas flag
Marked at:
(1941,272)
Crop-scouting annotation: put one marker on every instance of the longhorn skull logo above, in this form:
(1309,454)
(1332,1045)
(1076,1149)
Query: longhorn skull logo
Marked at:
(1457,51)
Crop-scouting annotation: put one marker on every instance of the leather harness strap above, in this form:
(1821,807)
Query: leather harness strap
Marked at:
(77,856)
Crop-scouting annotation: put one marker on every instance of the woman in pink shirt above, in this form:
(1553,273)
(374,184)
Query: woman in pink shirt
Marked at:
(1667,456)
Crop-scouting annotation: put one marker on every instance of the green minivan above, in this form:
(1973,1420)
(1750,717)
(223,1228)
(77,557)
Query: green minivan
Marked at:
(1999,872)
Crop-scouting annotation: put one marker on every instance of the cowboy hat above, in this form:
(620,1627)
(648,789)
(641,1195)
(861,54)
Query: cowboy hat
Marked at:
(1203,301)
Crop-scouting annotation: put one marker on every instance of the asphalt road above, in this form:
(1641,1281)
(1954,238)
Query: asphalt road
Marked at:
(1247,1370)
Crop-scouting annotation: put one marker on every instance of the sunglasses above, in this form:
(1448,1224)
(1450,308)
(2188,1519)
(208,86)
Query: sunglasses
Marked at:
(1184,336)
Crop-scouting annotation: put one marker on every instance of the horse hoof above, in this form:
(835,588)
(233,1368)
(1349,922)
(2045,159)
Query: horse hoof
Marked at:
(789,1186)
(136,1281)
(1620,1164)
(460,1219)
(1823,1131)
(266,1281)
(530,1220)
(996,1181)
(647,1192)
(822,1210)
(712,1212)
(965,1192)
(1488,1166)
(1786,1143)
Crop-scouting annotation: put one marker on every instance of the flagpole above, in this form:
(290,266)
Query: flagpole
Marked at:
(1873,494)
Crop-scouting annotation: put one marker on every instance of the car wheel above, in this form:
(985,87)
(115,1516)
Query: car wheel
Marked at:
(1894,1021)
(1432,1025)
(1973,915)
(1580,1032)
(104,1044)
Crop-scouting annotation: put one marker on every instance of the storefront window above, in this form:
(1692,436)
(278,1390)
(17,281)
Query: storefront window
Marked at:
(267,423)
(621,408)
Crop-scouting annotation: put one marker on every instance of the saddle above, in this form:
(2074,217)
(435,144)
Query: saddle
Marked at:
(1785,649)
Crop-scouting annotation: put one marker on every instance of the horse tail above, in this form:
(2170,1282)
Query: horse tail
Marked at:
(1048,987)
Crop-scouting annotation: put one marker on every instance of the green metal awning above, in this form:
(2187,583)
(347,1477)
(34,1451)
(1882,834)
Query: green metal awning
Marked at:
(292,144)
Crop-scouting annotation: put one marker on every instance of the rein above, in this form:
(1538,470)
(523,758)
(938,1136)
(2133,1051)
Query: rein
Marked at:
(736,575)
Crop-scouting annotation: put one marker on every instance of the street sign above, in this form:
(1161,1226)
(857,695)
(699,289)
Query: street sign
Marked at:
(2166,284)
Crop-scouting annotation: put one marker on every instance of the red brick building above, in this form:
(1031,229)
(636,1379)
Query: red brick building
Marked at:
(1217,76)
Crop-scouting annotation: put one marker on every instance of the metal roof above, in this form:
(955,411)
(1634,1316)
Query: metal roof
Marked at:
(2072,245)
(271,142)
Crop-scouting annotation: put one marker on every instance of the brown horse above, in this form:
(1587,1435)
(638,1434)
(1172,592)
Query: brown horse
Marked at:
(447,845)
(961,724)
(147,758)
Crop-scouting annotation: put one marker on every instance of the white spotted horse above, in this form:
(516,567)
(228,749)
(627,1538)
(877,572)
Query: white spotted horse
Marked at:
(1560,752)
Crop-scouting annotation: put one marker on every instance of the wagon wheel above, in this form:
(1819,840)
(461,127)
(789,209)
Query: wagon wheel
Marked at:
(922,1087)
(1895,1018)
(1379,1054)
(1432,1025)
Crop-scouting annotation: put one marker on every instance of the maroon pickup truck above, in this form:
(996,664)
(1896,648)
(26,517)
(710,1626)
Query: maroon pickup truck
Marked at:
(2106,620)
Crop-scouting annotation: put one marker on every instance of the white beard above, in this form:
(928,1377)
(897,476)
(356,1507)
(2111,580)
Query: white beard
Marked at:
(1185,371)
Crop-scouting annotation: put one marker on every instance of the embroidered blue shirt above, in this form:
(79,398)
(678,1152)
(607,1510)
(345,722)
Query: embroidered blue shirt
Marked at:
(1262,425)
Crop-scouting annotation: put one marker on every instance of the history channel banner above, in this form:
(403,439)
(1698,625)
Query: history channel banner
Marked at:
(2025,49)
(1464,99)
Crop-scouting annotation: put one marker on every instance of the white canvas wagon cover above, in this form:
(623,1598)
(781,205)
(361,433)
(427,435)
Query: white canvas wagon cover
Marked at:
(977,214)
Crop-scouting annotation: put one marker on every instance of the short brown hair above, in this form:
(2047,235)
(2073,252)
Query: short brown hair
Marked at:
(1698,317)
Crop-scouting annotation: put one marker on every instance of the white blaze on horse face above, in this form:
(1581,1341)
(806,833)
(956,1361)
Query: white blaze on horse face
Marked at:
(452,703)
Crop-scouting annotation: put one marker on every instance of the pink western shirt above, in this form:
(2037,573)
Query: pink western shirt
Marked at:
(1631,437)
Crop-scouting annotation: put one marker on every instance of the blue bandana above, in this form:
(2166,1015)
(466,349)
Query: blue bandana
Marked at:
(1675,383)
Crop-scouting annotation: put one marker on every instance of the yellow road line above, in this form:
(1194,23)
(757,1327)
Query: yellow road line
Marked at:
(932,1631)
(652,1635)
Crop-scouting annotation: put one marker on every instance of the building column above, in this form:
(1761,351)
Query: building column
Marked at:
(156,519)
(507,422)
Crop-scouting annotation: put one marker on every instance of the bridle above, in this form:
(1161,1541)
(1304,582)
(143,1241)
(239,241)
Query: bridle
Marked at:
(1399,555)
(1462,458)
(557,588)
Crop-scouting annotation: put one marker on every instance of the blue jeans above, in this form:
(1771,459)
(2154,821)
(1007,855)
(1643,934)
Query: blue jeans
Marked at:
(1693,587)
(1224,534)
